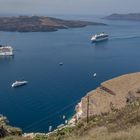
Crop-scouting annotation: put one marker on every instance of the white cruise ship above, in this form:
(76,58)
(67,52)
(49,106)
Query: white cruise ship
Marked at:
(99,37)
(6,50)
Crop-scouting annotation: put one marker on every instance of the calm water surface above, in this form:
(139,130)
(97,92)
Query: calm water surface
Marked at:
(54,90)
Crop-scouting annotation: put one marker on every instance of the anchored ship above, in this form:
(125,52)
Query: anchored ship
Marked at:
(6,50)
(99,37)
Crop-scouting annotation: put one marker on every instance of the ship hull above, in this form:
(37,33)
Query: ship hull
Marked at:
(6,54)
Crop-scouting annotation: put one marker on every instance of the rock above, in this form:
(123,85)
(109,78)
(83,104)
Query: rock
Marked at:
(7,130)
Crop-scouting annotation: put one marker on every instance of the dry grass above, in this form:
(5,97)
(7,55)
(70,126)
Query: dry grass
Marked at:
(115,91)
(103,134)
(122,124)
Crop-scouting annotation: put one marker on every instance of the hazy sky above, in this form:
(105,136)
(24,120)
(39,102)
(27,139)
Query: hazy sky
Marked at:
(96,7)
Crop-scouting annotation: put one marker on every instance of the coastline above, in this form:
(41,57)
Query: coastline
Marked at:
(111,95)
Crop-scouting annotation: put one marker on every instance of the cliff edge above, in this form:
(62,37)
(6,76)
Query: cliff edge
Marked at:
(112,94)
(113,113)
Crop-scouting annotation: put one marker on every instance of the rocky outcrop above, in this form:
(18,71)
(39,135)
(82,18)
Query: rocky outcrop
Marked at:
(40,24)
(112,95)
(7,130)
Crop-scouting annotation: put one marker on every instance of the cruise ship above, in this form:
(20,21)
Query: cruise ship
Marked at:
(6,50)
(99,37)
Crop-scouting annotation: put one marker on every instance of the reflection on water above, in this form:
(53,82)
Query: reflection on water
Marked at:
(6,58)
(100,44)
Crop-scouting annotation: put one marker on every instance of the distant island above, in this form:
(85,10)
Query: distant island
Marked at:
(40,24)
(130,16)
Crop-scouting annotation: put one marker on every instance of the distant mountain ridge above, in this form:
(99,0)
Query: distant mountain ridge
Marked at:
(130,16)
(40,24)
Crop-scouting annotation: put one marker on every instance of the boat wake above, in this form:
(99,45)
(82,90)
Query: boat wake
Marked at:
(124,37)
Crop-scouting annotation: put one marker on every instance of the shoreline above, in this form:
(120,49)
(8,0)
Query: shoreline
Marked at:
(111,94)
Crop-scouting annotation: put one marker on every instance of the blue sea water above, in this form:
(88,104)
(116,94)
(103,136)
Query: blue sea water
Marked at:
(53,90)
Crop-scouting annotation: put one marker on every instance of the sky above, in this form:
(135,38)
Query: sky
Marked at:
(73,7)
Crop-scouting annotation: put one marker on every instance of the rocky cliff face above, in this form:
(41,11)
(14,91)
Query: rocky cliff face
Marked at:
(111,95)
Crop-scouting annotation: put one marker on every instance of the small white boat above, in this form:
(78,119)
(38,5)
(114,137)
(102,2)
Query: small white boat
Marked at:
(63,117)
(19,83)
(60,126)
(50,128)
(95,74)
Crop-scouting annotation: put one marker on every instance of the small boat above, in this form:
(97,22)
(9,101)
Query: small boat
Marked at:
(99,37)
(19,83)
(50,128)
(60,126)
(63,117)
(66,121)
(61,64)
(95,74)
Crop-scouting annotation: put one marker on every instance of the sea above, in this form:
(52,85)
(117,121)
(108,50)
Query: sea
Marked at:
(53,91)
